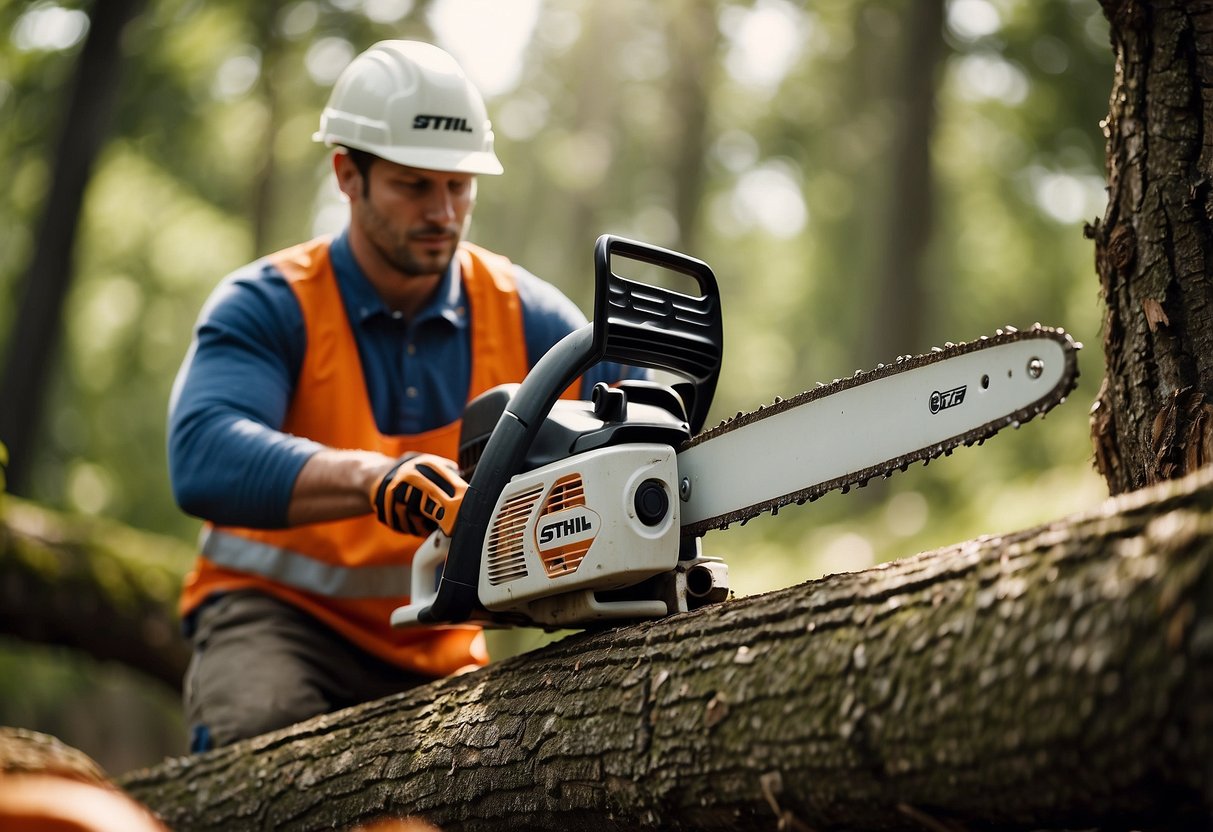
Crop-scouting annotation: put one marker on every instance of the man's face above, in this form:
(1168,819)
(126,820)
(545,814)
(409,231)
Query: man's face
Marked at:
(413,217)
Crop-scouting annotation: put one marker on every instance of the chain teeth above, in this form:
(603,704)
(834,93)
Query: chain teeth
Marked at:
(903,363)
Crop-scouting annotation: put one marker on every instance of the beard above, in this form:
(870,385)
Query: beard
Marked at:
(420,251)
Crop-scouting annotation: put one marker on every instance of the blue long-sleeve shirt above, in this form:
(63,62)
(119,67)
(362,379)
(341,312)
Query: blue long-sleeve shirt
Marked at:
(230,463)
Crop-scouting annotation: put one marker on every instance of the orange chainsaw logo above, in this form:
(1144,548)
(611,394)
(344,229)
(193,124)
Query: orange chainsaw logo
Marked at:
(564,537)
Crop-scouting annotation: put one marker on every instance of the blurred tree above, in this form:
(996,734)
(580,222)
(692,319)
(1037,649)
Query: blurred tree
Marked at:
(586,148)
(272,47)
(693,36)
(84,127)
(906,222)
(1154,416)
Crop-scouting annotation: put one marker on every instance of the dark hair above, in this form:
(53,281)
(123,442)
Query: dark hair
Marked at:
(362,160)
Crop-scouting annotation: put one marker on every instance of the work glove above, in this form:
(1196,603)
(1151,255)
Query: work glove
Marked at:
(418,494)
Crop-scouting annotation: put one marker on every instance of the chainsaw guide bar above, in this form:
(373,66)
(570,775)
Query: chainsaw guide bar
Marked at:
(1056,394)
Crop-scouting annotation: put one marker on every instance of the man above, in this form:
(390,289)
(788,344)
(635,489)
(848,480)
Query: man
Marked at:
(314,419)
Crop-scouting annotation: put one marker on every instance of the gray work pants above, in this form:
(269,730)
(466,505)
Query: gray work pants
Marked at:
(260,664)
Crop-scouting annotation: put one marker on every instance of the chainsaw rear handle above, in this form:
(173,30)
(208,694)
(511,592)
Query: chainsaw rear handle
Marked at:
(634,323)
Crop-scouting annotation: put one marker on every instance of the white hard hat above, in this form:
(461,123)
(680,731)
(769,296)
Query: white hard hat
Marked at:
(410,103)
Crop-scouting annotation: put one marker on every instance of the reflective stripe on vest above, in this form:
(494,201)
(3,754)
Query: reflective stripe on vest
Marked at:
(302,572)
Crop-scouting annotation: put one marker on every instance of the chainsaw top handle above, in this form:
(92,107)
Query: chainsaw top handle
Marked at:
(634,323)
(649,326)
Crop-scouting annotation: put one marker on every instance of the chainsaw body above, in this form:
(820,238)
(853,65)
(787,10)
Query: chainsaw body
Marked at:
(572,510)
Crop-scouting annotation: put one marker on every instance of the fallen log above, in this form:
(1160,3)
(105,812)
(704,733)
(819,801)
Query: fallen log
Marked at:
(94,585)
(1059,677)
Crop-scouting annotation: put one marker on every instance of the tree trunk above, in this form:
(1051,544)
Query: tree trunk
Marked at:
(694,41)
(33,345)
(269,40)
(1153,419)
(100,587)
(1060,677)
(907,221)
(595,117)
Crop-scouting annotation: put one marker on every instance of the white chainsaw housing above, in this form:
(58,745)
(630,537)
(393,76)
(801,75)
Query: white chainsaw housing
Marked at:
(565,531)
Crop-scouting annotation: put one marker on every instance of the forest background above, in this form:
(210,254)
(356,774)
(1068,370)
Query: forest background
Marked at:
(867,178)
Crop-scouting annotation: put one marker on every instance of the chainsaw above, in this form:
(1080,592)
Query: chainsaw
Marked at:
(585,512)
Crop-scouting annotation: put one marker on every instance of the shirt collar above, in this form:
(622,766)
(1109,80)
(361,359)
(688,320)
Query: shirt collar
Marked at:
(363,302)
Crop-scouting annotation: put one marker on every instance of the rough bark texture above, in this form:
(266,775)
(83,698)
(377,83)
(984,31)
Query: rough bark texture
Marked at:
(29,752)
(1154,416)
(1059,678)
(97,586)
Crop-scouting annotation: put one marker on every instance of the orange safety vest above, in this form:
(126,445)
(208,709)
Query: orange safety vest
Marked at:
(351,573)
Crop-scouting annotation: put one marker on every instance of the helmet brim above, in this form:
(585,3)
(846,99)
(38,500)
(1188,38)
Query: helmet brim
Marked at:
(444,160)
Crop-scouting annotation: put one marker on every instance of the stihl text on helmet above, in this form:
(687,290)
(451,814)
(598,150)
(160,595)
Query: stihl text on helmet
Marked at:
(424,122)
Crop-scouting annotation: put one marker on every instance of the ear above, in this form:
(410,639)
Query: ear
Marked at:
(349,179)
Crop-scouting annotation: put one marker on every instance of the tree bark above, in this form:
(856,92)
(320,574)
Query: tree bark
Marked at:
(1059,677)
(96,586)
(1153,419)
(34,344)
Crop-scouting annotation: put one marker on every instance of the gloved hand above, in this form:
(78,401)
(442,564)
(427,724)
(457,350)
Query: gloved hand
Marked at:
(418,494)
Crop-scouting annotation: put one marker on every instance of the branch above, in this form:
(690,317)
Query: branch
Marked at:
(100,587)
(1060,677)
